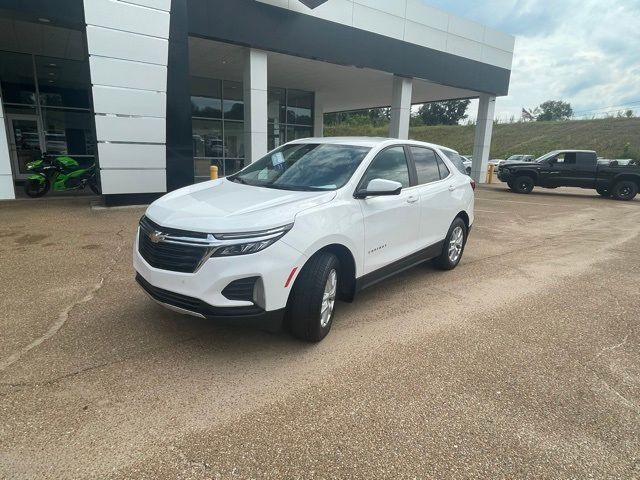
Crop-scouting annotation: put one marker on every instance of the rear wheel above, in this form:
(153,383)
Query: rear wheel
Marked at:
(624,190)
(523,184)
(453,247)
(312,305)
(605,192)
(36,188)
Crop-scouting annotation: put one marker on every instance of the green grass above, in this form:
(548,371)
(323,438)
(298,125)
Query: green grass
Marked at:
(608,137)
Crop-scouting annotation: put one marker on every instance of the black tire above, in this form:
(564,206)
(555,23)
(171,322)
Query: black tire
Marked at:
(523,184)
(445,261)
(468,169)
(35,189)
(624,190)
(603,192)
(511,185)
(304,312)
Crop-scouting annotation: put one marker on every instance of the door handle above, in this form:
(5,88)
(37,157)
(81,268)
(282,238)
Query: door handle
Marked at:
(412,199)
(452,188)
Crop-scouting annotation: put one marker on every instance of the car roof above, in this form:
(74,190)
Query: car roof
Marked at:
(571,151)
(367,141)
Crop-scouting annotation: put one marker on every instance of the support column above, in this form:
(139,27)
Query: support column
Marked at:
(318,115)
(6,178)
(401,107)
(255,104)
(482,142)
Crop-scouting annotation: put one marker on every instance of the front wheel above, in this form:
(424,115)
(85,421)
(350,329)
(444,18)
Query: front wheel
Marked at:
(523,184)
(603,192)
(313,298)
(453,247)
(36,188)
(624,190)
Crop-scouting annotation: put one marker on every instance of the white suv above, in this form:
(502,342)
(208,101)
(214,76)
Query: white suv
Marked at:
(313,221)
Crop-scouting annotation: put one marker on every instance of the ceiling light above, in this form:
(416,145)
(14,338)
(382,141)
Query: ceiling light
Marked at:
(43,20)
(52,65)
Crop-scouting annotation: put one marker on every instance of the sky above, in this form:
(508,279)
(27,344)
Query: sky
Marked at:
(585,52)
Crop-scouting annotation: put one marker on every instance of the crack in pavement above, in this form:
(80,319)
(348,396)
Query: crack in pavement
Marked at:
(64,315)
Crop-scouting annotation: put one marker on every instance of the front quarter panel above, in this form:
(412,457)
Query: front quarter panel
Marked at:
(337,222)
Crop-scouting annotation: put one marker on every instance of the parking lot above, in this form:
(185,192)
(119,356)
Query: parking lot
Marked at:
(522,362)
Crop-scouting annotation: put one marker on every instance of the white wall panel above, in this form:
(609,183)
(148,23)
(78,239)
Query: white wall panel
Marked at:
(106,42)
(419,12)
(125,101)
(466,28)
(339,11)
(130,129)
(376,21)
(157,4)
(499,40)
(464,48)
(6,187)
(132,155)
(133,181)
(128,17)
(425,36)
(497,57)
(276,3)
(393,7)
(5,159)
(124,73)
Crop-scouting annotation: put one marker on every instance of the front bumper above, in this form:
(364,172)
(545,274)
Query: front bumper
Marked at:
(504,176)
(201,293)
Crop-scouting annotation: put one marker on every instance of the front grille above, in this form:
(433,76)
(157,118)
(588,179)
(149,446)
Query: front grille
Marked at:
(195,305)
(240,289)
(171,256)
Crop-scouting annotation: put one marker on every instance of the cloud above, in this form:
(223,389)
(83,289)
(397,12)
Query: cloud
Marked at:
(581,51)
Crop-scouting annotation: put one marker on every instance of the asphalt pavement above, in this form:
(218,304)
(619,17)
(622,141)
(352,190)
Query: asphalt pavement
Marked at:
(523,362)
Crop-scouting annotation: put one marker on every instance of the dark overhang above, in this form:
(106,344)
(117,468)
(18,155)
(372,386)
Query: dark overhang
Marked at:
(313,3)
(263,26)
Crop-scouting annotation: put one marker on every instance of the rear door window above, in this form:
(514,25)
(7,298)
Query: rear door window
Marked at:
(426,163)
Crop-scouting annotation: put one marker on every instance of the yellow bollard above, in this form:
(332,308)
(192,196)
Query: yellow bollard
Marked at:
(213,170)
(490,173)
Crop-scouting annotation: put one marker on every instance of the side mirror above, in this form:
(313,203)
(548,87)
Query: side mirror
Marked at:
(380,187)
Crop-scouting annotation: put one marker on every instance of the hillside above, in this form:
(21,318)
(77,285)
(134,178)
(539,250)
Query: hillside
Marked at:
(608,137)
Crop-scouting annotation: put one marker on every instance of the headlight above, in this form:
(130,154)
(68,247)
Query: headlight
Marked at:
(254,241)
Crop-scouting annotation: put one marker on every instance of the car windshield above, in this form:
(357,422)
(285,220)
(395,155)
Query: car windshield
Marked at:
(304,167)
(515,158)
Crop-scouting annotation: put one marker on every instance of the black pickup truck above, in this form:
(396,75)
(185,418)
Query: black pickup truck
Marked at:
(573,168)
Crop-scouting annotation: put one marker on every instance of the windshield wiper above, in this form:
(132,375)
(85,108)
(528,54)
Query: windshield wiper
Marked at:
(239,180)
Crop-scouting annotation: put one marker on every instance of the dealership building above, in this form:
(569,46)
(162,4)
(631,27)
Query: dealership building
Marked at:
(157,91)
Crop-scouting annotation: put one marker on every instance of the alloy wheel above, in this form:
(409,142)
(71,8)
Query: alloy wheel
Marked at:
(328,298)
(456,243)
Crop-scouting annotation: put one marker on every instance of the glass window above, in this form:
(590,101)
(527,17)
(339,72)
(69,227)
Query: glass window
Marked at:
(299,107)
(233,140)
(16,78)
(296,133)
(304,167)
(201,167)
(63,83)
(68,132)
(456,159)
(444,170)
(233,100)
(275,135)
(206,97)
(232,165)
(276,105)
(390,164)
(426,164)
(207,138)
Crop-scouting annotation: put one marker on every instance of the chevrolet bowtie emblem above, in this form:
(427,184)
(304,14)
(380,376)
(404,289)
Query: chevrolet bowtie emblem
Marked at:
(157,237)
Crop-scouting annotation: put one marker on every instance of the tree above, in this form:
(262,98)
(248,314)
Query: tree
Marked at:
(628,113)
(449,112)
(554,110)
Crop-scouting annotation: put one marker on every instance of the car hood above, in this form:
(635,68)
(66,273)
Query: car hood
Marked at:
(222,206)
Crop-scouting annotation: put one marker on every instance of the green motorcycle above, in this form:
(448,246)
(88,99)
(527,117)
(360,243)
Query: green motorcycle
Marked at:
(63,172)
